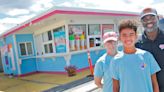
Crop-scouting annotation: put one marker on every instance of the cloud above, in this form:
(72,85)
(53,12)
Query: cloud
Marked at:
(140,3)
(7,5)
(79,3)
(159,7)
(3,28)
(41,5)
(24,6)
(119,5)
(17,20)
(16,12)
(7,23)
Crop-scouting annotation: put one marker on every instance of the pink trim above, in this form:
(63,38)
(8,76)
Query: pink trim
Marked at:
(66,12)
(23,75)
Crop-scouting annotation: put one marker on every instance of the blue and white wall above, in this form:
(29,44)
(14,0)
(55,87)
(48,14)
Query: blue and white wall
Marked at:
(27,62)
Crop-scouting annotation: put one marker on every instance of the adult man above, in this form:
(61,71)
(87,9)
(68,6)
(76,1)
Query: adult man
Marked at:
(152,40)
(101,70)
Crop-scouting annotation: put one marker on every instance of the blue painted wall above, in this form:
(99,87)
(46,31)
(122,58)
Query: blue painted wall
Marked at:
(24,38)
(81,60)
(27,65)
(56,64)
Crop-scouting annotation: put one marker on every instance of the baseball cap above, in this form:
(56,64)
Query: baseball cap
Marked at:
(148,11)
(109,36)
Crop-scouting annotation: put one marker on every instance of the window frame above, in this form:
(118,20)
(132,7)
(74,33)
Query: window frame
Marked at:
(47,42)
(86,35)
(94,36)
(27,53)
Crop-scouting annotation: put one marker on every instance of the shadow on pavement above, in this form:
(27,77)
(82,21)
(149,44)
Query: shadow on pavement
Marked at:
(61,88)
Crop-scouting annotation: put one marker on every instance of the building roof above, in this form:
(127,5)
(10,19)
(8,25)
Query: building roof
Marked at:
(66,10)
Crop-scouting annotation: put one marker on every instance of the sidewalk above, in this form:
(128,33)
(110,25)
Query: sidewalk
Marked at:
(72,85)
(86,87)
(37,82)
(82,85)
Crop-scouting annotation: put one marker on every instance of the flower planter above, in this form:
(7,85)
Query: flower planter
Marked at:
(71,70)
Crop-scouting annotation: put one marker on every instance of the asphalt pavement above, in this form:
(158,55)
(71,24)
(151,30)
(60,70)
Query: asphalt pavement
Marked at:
(83,85)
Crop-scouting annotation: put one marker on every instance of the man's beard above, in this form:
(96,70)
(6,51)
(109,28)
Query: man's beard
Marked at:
(154,28)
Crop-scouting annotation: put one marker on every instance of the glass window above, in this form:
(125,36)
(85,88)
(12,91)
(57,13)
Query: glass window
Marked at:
(49,35)
(94,29)
(48,48)
(22,49)
(97,41)
(26,48)
(77,37)
(94,41)
(47,42)
(91,41)
(29,48)
(94,34)
(107,28)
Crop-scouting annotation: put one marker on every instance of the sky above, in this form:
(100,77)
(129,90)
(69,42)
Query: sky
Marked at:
(14,12)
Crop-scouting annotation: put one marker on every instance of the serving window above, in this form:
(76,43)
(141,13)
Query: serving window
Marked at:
(81,37)
(107,28)
(94,35)
(77,37)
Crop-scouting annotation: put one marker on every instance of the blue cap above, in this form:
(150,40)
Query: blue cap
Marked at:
(148,11)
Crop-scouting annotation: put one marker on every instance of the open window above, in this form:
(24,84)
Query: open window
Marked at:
(94,35)
(77,37)
(107,28)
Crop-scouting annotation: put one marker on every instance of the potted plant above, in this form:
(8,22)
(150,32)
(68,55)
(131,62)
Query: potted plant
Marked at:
(71,70)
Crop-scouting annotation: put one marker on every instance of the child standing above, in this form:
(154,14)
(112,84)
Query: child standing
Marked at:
(133,70)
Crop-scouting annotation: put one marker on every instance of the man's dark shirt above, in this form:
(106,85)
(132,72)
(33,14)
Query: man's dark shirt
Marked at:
(156,47)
